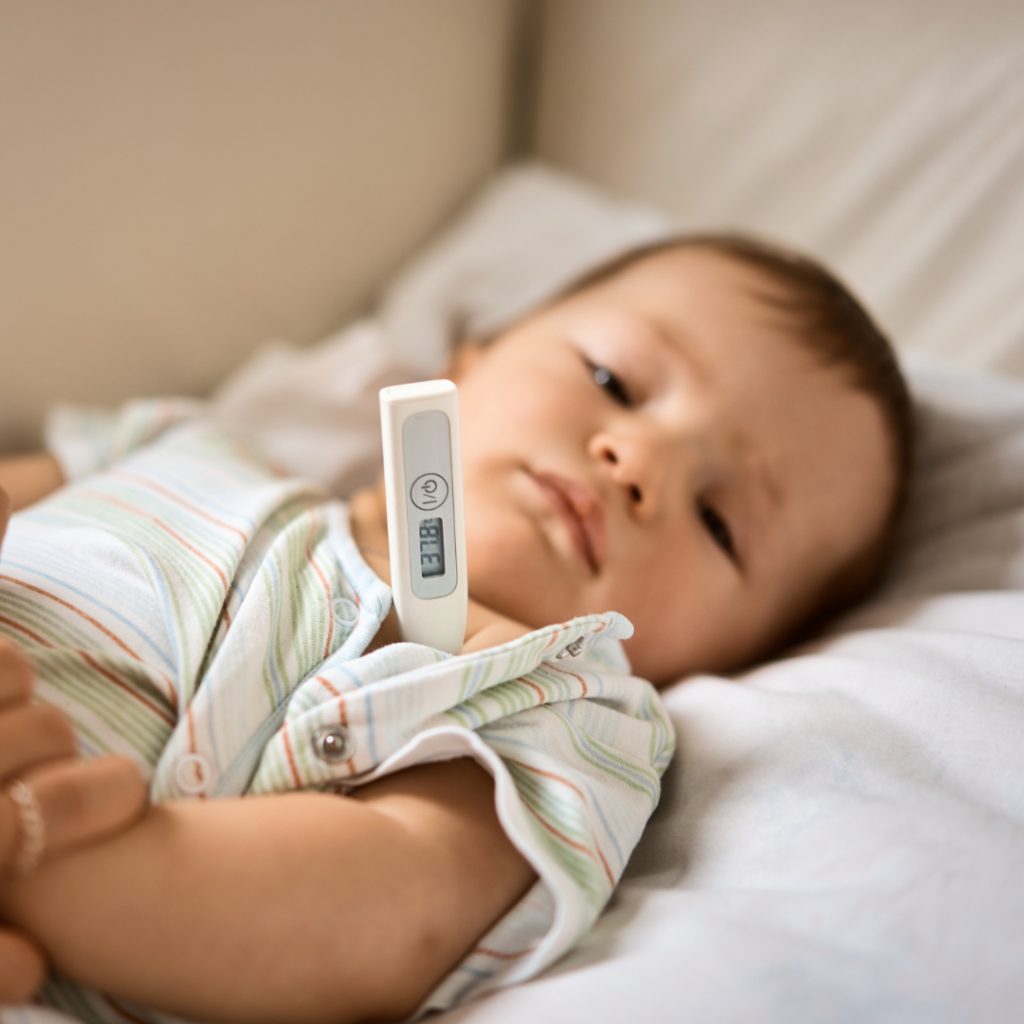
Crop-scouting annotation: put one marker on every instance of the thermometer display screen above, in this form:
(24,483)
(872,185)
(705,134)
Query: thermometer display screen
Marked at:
(431,560)
(431,547)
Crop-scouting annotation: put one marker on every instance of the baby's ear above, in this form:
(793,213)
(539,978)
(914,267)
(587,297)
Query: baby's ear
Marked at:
(461,360)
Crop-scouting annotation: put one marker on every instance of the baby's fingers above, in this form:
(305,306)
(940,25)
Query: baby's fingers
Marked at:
(31,734)
(75,802)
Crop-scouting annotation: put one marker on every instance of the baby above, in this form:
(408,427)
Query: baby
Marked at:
(708,436)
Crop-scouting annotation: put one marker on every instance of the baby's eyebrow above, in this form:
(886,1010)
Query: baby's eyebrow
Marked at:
(680,344)
(765,482)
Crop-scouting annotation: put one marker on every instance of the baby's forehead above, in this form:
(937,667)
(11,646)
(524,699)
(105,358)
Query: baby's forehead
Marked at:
(696,297)
(694,289)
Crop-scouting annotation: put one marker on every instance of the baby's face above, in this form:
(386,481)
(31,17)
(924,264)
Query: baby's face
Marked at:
(658,445)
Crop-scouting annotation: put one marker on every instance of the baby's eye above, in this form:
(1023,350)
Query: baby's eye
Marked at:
(604,378)
(716,526)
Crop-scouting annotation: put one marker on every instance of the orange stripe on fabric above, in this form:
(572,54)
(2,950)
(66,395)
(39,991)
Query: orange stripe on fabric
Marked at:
(533,686)
(107,674)
(326,684)
(578,792)
(100,496)
(172,694)
(604,863)
(296,778)
(28,632)
(571,842)
(559,835)
(548,775)
(78,611)
(225,615)
(342,710)
(575,676)
(167,493)
(504,956)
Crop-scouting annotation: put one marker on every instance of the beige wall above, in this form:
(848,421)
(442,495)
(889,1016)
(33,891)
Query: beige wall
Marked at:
(886,136)
(180,179)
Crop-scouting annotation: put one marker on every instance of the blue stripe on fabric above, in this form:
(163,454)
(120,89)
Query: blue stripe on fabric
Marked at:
(476,972)
(280,689)
(371,730)
(608,830)
(599,755)
(92,599)
(595,802)
(167,605)
(202,500)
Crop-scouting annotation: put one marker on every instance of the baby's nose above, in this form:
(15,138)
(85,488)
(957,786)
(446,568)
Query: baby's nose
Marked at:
(636,465)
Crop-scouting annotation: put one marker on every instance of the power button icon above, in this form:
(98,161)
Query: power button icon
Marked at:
(429,491)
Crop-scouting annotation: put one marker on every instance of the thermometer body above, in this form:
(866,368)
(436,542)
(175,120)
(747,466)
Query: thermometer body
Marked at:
(426,530)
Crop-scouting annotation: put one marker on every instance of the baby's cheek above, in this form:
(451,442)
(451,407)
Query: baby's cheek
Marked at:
(510,571)
(681,624)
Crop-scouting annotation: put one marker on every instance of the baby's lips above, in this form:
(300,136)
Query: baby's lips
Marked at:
(582,504)
(588,507)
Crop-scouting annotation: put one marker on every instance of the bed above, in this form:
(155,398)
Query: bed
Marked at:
(841,835)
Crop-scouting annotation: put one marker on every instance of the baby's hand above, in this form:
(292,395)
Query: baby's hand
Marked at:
(485,628)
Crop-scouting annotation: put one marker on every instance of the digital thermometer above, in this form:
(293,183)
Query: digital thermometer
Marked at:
(426,531)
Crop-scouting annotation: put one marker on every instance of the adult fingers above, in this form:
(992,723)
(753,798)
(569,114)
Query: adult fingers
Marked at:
(21,968)
(16,674)
(31,734)
(79,802)
(85,801)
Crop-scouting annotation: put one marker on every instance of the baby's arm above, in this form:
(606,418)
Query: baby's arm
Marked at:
(293,907)
(29,478)
(485,628)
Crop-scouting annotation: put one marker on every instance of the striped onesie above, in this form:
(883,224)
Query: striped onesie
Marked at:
(190,607)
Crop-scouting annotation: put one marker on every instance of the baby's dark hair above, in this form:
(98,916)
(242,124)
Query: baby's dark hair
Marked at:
(826,318)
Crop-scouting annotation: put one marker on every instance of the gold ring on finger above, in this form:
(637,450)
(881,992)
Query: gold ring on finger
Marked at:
(31,828)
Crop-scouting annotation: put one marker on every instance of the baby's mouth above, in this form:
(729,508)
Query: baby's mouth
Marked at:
(581,511)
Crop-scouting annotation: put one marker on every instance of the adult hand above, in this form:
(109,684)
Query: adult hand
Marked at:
(49,801)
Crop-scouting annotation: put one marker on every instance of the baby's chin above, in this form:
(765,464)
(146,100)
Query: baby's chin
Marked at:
(520,591)
(663,663)
(654,666)
(525,610)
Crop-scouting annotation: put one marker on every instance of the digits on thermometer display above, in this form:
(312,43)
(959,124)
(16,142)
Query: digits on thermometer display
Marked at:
(431,547)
